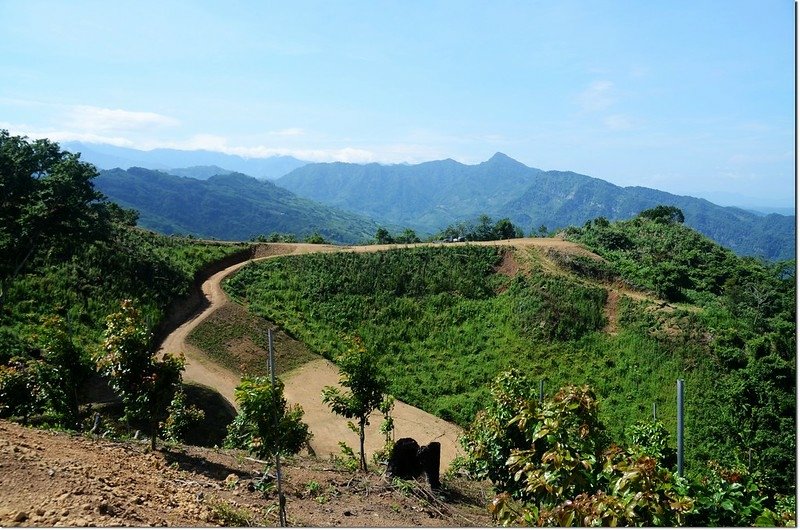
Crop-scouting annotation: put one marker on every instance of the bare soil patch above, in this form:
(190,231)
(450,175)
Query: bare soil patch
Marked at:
(237,339)
(304,386)
(611,312)
(56,479)
(509,265)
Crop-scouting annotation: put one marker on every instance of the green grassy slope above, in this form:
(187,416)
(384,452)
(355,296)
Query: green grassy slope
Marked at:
(445,322)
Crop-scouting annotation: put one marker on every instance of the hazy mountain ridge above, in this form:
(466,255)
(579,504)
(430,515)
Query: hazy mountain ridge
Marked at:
(233,206)
(106,156)
(425,197)
(429,196)
(199,172)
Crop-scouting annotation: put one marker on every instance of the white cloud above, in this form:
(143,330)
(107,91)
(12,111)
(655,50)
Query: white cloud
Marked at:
(88,119)
(599,95)
(59,135)
(210,142)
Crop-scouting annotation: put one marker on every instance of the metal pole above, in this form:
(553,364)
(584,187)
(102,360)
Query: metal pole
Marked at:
(655,416)
(680,427)
(281,499)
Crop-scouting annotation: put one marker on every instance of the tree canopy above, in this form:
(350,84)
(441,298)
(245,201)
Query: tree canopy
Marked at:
(663,214)
(47,202)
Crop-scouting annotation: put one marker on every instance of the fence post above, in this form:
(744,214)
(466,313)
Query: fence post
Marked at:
(680,427)
(655,416)
(541,391)
(281,499)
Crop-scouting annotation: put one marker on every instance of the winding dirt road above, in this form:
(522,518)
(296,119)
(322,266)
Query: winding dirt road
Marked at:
(304,385)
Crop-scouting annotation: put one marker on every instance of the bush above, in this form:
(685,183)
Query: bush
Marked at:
(182,418)
(261,404)
(563,469)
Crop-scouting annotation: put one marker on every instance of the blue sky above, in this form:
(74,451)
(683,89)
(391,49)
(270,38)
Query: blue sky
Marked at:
(692,97)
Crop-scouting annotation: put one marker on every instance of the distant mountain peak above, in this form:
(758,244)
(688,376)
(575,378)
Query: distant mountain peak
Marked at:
(502,158)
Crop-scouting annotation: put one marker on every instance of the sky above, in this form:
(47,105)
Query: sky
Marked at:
(693,97)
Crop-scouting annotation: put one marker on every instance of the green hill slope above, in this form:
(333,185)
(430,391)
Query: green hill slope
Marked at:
(445,320)
(232,207)
(68,258)
(559,199)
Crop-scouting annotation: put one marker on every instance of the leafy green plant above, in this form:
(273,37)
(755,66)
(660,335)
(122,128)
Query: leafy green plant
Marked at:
(232,516)
(145,383)
(567,472)
(493,435)
(651,438)
(406,487)
(22,388)
(261,406)
(346,458)
(70,366)
(182,418)
(313,488)
(366,385)
(387,429)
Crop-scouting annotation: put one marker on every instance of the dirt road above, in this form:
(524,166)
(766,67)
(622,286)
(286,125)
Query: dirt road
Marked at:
(304,385)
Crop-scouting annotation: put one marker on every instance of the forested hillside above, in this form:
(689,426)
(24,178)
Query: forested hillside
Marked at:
(231,207)
(68,258)
(429,196)
(663,303)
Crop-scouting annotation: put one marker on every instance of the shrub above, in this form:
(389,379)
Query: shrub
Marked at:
(261,406)
(563,469)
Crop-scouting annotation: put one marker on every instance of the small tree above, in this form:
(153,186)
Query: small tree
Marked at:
(367,386)
(505,229)
(316,239)
(254,426)
(22,393)
(145,384)
(182,418)
(663,214)
(383,237)
(407,236)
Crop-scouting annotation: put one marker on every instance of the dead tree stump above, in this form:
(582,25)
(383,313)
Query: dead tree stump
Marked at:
(429,457)
(409,460)
(403,462)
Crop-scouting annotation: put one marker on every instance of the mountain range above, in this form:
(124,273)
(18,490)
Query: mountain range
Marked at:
(105,156)
(347,202)
(231,206)
(429,196)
